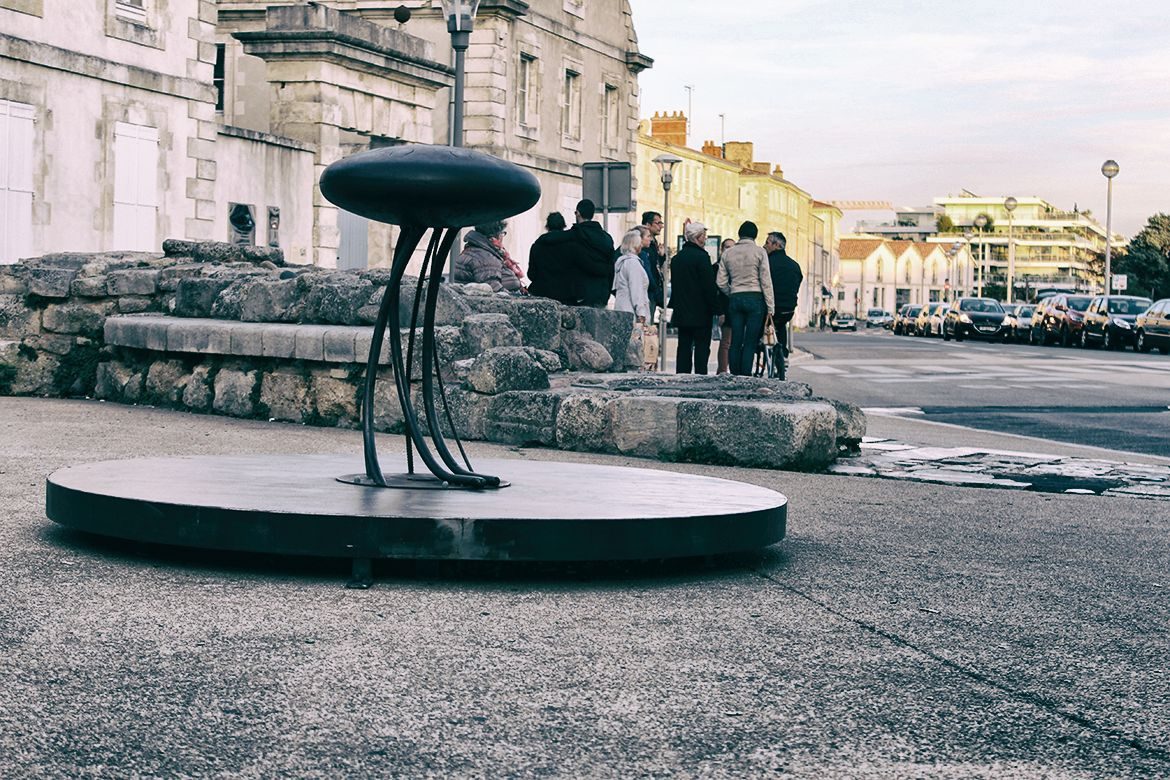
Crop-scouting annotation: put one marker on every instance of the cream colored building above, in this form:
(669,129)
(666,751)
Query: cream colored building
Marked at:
(886,274)
(722,186)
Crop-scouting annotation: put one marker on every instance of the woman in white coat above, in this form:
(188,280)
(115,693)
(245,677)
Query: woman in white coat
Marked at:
(630,283)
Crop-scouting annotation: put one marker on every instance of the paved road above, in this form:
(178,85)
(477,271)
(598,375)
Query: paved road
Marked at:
(1116,400)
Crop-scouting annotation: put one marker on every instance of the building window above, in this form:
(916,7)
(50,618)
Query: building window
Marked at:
(135,186)
(131,10)
(526,81)
(571,107)
(16,180)
(609,118)
(217,75)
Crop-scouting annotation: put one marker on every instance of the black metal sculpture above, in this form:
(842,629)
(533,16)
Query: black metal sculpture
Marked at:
(421,188)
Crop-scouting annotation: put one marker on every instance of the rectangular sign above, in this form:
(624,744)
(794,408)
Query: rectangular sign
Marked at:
(610,185)
(1120,282)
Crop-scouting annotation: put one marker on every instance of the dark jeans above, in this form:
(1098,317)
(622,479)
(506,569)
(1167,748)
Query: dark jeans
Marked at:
(745,314)
(696,341)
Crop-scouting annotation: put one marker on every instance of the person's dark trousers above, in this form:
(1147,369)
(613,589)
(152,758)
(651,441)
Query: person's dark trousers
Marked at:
(745,312)
(693,341)
(778,369)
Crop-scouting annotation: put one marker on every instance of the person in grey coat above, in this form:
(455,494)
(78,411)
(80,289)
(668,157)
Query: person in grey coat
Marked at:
(482,259)
(630,282)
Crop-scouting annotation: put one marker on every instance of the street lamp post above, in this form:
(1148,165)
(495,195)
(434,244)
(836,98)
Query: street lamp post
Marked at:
(1109,170)
(981,223)
(460,15)
(969,276)
(665,163)
(953,271)
(1010,205)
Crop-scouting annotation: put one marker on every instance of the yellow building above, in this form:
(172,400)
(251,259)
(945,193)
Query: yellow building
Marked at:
(722,186)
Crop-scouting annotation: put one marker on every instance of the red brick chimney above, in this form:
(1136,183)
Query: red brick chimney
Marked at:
(713,149)
(671,128)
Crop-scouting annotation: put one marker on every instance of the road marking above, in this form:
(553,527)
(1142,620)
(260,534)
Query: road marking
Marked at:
(820,369)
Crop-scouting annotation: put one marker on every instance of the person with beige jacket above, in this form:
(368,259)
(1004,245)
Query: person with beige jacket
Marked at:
(746,279)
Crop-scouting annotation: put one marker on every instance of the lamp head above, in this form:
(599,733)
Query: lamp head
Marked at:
(1110,169)
(460,14)
(666,163)
(1010,204)
(967,235)
(981,221)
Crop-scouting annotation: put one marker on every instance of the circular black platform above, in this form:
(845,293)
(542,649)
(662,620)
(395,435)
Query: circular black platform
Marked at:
(294,505)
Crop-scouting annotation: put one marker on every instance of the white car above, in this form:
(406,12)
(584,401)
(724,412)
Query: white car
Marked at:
(845,321)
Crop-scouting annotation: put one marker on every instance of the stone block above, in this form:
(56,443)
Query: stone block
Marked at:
(134,304)
(583,353)
(388,416)
(539,322)
(247,340)
(502,369)
(286,396)
(117,381)
(201,336)
(338,345)
(468,411)
(363,340)
(85,318)
(794,435)
(17,319)
(234,392)
(482,332)
(449,345)
(166,382)
(269,300)
(523,418)
(850,424)
(310,342)
(51,282)
(89,287)
(646,426)
(35,375)
(54,343)
(195,296)
(450,306)
(14,279)
(583,422)
(550,361)
(335,401)
(198,393)
(278,341)
(169,278)
(139,281)
(611,329)
(337,301)
(125,332)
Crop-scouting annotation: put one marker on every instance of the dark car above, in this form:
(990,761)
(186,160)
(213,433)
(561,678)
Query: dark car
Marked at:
(1111,320)
(904,319)
(1153,328)
(1059,320)
(976,318)
(1017,321)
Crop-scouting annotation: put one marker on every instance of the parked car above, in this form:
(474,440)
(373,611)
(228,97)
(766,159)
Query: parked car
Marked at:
(844,321)
(878,318)
(1061,321)
(929,320)
(1153,328)
(1111,320)
(904,319)
(976,318)
(1017,321)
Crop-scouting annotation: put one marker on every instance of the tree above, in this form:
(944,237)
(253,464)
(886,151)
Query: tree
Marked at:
(1147,260)
(944,224)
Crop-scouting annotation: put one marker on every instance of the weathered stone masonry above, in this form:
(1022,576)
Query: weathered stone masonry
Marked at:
(209,327)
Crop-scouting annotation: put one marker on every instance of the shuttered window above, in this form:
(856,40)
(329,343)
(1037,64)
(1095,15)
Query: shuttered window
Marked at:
(135,187)
(16,180)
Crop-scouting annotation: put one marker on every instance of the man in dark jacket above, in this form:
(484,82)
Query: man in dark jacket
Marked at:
(786,279)
(692,300)
(652,257)
(590,258)
(548,264)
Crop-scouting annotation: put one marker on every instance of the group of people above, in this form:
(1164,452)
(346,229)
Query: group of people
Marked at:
(743,292)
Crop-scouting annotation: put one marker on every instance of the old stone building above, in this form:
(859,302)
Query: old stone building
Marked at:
(125,122)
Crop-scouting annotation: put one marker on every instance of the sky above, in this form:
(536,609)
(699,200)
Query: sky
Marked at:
(908,100)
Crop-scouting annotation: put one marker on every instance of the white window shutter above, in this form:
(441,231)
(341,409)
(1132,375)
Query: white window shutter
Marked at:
(16,180)
(135,186)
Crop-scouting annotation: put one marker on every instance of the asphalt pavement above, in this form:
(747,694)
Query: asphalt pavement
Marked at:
(901,630)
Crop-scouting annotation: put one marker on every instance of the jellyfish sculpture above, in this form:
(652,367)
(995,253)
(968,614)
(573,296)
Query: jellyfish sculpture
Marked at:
(439,189)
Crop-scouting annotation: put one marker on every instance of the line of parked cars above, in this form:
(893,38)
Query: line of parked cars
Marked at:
(1068,319)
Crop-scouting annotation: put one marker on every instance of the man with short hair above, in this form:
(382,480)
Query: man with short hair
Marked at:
(652,257)
(786,279)
(589,257)
(745,279)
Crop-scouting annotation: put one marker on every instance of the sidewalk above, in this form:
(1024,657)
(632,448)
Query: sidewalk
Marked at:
(901,630)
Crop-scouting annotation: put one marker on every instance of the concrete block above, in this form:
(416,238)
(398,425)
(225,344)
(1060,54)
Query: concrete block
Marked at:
(279,341)
(201,336)
(247,340)
(310,342)
(338,344)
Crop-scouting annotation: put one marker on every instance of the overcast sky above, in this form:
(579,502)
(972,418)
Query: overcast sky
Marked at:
(906,100)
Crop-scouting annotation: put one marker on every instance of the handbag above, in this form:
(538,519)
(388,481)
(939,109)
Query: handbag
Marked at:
(770,339)
(649,347)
